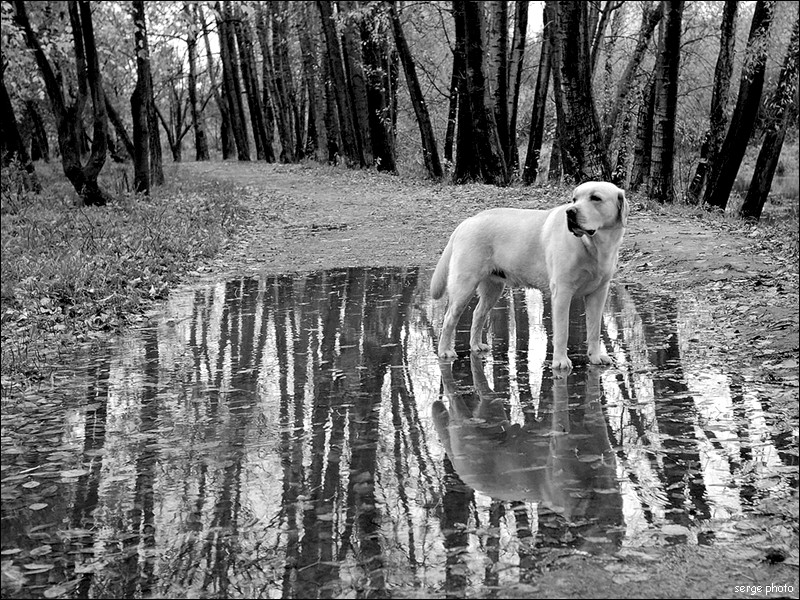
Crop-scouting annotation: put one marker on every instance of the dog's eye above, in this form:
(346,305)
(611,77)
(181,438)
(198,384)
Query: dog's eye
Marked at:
(594,198)
(574,199)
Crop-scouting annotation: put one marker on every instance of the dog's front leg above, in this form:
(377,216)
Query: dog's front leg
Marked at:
(560,299)
(595,303)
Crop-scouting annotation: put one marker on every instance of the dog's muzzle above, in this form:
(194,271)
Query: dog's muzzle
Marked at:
(574,227)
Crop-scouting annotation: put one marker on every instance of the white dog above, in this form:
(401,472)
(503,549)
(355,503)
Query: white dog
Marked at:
(570,250)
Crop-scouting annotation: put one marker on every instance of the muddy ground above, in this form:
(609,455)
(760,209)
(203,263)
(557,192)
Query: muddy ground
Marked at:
(307,218)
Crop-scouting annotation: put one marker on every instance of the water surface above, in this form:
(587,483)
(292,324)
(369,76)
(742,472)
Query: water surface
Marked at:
(295,436)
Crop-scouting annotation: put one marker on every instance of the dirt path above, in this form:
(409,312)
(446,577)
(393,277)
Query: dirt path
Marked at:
(309,218)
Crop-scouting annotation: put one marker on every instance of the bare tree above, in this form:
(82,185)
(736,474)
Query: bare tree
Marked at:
(723,174)
(200,143)
(664,112)
(140,102)
(429,151)
(718,118)
(583,151)
(531,169)
(780,110)
(231,79)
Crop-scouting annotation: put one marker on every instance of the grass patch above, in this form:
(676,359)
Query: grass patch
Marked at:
(71,273)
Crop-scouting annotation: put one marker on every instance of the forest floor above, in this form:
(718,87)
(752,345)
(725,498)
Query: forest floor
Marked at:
(306,218)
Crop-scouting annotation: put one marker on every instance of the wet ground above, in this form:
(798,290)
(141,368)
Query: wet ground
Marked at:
(296,437)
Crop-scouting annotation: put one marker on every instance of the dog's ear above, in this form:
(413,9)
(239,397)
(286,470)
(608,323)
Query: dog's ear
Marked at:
(623,207)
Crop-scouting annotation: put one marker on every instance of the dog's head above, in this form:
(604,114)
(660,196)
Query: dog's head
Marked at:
(597,205)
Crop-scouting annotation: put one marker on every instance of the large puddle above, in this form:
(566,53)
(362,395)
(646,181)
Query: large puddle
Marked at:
(296,437)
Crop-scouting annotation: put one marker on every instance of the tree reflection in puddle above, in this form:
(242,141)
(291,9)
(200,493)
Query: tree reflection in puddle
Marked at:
(296,436)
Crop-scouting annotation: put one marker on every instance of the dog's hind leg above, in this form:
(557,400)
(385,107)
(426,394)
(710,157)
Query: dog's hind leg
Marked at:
(489,292)
(459,295)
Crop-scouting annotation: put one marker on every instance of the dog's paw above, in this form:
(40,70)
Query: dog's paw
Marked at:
(562,363)
(480,348)
(600,358)
(447,354)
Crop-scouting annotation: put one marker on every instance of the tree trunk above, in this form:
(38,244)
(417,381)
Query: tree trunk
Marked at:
(119,127)
(515,78)
(662,186)
(339,84)
(82,177)
(598,33)
(11,141)
(780,111)
(40,147)
(356,80)
(467,165)
(452,110)
(230,79)
(644,135)
(317,133)
(381,85)
(244,38)
(284,83)
(583,151)
(429,151)
(226,128)
(723,174)
(484,127)
(650,18)
(497,69)
(200,143)
(719,101)
(139,102)
(156,155)
(530,172)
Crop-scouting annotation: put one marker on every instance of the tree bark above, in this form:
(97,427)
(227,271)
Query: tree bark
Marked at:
(662,186)
(491,160)
(381,82)
(780,111)
(650,18)
(356,81)
(339,84)
(497,69)
(119,127)
(723,175)
(452,109)
(139,102)
(317,133)
(40,147)
(644,135)
(244,38)
(284,83)
(228,143)
(583,151)
(230,79)
(719,101)
(530,172)
(429,151)
(599,31)
(467,166)
(515,78)
(200,142)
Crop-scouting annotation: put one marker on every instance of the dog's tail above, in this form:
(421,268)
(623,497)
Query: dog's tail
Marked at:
(439,279)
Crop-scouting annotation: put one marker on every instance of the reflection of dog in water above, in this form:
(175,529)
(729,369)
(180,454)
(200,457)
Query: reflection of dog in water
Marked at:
(564,462)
